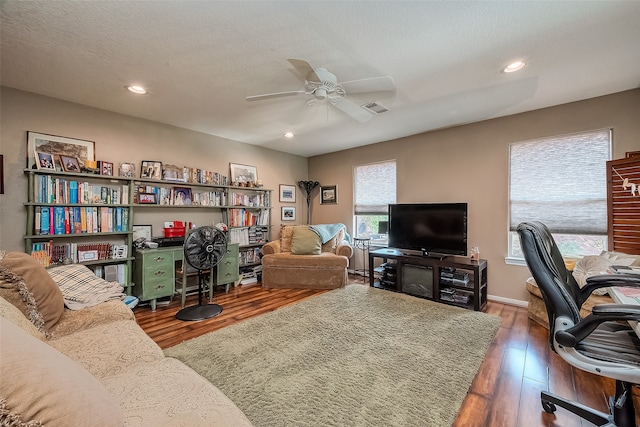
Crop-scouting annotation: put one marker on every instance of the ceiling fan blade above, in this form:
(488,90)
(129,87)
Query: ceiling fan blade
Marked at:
(351,109)
(304,69)
(374,84)
(274,95)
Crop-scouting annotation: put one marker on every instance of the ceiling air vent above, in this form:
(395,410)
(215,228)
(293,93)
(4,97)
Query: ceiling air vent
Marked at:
(375,107)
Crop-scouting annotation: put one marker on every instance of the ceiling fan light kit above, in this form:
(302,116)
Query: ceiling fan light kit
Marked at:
(323,85)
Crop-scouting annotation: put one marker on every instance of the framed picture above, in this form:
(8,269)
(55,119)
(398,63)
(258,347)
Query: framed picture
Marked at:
(147,198)
(288,213)
(172,173)
(44,160)
(141,231)
(127,170)
(52,144)
(242,174)
(151,169)
(287,193)
(181,196)
(70,164)
(328,194)
(106,168)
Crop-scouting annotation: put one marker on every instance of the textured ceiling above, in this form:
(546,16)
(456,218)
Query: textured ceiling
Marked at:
(200,59)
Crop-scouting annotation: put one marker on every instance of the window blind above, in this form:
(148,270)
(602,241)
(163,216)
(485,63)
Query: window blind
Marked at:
(375,188)
(561,181)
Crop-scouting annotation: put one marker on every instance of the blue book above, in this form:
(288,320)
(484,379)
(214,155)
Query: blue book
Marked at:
(44,220)
(58,220)
(73,191)
(118,219)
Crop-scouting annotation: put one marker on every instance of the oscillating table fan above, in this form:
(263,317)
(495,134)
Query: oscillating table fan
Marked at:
(204,248)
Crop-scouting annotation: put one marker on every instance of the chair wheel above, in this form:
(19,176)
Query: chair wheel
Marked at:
(549,407)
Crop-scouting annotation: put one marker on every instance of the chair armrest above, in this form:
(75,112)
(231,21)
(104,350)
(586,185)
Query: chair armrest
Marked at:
(344,249)
(608,280)
(601,313)
(272,247)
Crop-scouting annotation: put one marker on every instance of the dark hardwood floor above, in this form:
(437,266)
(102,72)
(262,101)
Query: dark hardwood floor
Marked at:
(506,391)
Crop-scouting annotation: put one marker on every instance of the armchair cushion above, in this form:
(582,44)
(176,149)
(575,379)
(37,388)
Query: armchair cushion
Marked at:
(305,242)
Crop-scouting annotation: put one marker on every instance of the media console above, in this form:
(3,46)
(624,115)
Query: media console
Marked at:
(451,280)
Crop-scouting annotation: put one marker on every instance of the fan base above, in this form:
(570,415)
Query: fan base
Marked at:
(199,312)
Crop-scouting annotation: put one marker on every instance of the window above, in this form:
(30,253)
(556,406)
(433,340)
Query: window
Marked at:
(561,181)
(375,189)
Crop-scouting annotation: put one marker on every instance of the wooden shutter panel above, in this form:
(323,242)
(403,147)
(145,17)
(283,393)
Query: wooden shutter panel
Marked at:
(623,207)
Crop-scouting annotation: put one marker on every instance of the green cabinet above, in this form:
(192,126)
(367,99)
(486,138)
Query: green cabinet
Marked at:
(154,273)
(227,270)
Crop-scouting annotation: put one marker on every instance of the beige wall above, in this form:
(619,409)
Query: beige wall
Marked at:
(120,138)
(470,164)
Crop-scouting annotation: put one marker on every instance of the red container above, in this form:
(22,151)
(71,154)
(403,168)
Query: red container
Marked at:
(174,232)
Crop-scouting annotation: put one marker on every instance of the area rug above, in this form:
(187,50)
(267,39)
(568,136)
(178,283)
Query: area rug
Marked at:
(355,356)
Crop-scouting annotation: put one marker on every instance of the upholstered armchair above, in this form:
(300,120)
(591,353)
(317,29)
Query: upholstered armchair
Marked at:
(307,257)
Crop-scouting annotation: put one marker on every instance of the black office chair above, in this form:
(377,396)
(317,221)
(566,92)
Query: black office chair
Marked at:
(602,343)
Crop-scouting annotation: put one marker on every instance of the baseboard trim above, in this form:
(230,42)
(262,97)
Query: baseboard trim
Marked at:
(508,301)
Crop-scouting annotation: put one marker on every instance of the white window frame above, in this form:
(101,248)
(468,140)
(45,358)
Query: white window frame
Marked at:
(381,192)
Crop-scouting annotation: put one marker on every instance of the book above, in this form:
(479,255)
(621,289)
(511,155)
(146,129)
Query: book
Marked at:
(44,220)
(58,220)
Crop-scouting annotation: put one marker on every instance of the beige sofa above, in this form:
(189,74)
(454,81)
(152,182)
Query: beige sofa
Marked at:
(300,259)
(94,366)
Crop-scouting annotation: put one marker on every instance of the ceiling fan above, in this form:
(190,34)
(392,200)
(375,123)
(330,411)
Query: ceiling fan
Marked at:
(323,85)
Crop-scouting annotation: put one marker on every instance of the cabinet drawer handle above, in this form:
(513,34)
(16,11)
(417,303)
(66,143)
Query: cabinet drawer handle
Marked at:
(228,262)
(159,258)
(157,288)
(159,273)
(228,274)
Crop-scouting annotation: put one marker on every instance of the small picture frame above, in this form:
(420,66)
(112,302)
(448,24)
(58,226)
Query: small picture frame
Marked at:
(70,164)
(140,231)
(181,196)
(45,161)
(328,194)
(242,175)
(172,173)
(288,213)
(147,198)
(151,169)
(287,193)
(127,170)
(106,168)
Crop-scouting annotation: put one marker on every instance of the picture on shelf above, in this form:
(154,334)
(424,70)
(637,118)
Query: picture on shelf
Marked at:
(142,231)
(147,198)
(288,213)
(287,193)
(106,168)
(70,147)
(127,170)
(151,169)
(242,174)
(70,164)
(44,160)
(172,173)
(182,196)
(328,194)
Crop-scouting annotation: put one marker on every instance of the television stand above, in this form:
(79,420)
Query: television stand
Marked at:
(452,280)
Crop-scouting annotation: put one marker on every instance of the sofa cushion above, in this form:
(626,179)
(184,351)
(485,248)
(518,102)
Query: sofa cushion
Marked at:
(286,234)
(305,242)
(15,316)
(27,285)
(81,288)
(40,384)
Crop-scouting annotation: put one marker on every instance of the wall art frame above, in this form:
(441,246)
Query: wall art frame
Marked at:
(328,194)
(288,213)
(140,231)
(60,145)
(242,174)
(287,193)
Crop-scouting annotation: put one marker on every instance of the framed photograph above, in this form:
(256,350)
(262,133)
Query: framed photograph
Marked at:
(44,160)
(70,164)
(52,144)
(242,174)
(172,173)
(288,213)
(147,198)
(151,169)
(127,170)
(106,168)
(287,193)
(181,196)
(142,231)
(328,194)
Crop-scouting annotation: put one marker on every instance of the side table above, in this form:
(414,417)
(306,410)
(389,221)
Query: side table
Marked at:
(362,243)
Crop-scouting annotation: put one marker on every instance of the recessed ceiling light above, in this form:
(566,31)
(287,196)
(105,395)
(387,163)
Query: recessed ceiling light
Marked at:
(513,67)
(136,89)
(289,135)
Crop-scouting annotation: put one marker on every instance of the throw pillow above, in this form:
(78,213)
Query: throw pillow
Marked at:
(305,242)
(15,316)
(41,299)
(286,234)
(41,385)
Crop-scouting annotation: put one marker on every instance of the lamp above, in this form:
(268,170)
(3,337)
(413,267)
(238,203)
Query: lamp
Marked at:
(307,187)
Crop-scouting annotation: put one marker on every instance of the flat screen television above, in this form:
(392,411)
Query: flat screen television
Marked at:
(431,229)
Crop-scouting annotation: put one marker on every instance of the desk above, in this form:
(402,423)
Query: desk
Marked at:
(618,296)
(362,243)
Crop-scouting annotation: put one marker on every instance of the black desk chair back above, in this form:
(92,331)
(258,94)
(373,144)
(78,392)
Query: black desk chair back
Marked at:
(601,343)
